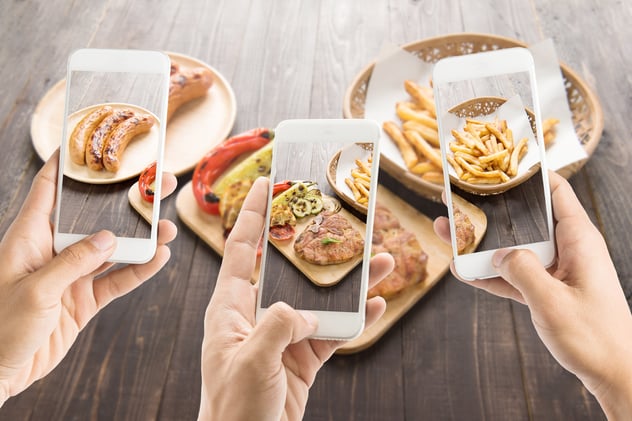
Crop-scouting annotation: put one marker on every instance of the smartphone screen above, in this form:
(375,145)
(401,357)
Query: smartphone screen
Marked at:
(113,129)
(323,267)
(495,159)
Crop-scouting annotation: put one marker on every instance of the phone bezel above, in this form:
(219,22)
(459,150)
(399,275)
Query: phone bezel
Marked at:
(478,265)
(336,325)
(128,250)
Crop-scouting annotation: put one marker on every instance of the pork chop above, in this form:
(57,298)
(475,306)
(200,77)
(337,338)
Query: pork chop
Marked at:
(329,240)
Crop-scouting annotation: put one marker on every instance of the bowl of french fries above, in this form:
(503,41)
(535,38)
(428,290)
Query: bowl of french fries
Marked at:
(486,153)
(349,174)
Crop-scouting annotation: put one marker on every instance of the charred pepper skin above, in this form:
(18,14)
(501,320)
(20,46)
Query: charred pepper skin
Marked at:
(214,163)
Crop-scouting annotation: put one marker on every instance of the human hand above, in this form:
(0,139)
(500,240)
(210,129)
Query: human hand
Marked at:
(262,371)
(577,306)
(46,299)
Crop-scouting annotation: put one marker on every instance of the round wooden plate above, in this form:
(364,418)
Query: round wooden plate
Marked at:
(141,151)
(194,129)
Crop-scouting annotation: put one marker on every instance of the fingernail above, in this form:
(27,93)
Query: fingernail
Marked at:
(102,240)
(310,318)
(498,257)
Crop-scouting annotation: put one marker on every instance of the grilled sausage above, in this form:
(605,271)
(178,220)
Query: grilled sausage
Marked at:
(82,132)
(120,137)
(94,147)
(186,85)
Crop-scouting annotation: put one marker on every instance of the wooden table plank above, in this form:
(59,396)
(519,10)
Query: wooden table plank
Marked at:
(458,354)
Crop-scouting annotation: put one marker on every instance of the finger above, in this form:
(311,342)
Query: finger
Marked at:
(564,201)
(169,184)
(240,251)
(496,286)
(375,308)
(75,261)
(522,269)
(167,231)
(279,327)
(41,197)
(121,281)
(324,349)
(381,265)
(441,227)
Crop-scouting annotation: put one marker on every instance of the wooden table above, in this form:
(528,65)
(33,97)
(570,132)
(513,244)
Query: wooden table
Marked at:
(459,353)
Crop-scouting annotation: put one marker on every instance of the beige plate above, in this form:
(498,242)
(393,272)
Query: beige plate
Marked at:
(139,154)
(192,131)
(439,258)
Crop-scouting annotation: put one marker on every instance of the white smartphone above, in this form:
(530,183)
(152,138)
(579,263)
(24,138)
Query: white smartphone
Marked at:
(114,127)
(317,252)
(497,91)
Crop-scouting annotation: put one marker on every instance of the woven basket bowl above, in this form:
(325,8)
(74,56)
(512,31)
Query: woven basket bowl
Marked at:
(482,106)
(584,105)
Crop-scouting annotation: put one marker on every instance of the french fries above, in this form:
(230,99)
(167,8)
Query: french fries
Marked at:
(417,138)
(360,181)
(485,152)
(482,146)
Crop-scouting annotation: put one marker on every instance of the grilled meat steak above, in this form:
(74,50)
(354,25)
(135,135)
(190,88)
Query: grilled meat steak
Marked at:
(410,259)
(329,240)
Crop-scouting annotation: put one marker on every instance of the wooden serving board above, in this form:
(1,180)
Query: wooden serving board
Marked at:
(439,258)
(323,276)
(209,229)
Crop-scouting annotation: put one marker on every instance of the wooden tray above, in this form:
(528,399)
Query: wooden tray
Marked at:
(584,105)
(322,276)
(439,258)
(192,131)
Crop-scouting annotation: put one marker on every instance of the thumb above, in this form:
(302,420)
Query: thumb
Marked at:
(523,270)
(281,326)
(75,261)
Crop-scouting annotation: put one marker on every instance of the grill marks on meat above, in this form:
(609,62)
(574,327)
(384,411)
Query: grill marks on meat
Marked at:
(329,240)
(410,259)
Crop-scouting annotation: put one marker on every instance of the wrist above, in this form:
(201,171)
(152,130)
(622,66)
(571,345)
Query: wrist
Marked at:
(615,396)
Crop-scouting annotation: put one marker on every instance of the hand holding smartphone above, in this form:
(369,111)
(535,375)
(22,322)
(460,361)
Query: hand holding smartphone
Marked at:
(491,139)
(114,127)
(323,265)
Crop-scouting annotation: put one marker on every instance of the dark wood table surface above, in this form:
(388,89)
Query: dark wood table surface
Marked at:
(459,353)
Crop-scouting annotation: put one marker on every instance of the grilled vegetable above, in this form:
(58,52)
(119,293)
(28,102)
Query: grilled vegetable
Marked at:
(146,183)
(256,165)
(219,159)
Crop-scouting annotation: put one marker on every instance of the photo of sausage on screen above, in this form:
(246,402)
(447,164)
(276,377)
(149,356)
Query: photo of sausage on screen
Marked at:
(112,134)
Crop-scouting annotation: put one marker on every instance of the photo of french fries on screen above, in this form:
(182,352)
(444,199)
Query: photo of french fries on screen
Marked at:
(417,138)
(360,180)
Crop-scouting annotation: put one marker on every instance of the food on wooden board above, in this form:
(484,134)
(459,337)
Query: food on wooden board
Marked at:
(121,136)
(147,183)
(328,240)
(418,139)
(186,85)
(410,259)
(301,199)
(219,159)
(102,135)
(465,231)
(83,131)
(96,142)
